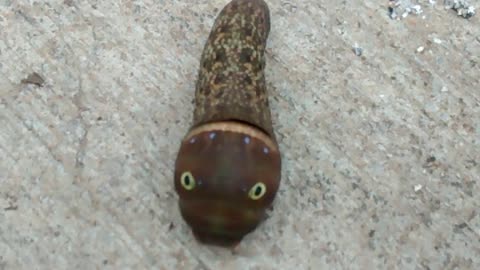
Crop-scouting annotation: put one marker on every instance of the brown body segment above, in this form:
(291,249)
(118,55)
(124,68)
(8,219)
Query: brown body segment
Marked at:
(227,170)
(231,84)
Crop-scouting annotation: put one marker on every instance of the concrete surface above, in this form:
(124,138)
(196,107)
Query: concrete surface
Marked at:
(381,151)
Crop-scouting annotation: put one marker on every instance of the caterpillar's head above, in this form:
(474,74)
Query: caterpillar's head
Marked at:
(226,175)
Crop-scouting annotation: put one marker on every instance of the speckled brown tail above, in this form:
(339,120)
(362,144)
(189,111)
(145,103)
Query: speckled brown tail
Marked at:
(231,82)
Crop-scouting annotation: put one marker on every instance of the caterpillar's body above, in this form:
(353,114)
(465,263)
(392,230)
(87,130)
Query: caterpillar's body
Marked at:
(228,167)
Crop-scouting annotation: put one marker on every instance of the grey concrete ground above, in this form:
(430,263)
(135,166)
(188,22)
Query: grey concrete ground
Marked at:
(381,150)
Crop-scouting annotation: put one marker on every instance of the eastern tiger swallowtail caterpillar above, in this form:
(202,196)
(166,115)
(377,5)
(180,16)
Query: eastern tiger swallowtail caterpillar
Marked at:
(227,171)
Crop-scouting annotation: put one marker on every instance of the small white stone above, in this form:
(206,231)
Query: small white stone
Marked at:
(417,187)
(471,10)
(437,41)
(417,9)
(420,49)
(393,14)
(357,49)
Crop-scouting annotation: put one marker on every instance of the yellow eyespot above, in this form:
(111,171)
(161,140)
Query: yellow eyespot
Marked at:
(187,180)
(257,191)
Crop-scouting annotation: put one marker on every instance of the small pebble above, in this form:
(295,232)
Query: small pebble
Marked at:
(417,9)
(357,50)
(392,13)
(462,8)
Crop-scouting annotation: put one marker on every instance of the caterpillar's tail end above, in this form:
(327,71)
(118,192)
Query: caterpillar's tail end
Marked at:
(258,8)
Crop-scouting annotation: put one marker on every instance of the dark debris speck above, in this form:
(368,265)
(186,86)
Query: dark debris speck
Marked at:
(11,208)
(459,227)
(35,79)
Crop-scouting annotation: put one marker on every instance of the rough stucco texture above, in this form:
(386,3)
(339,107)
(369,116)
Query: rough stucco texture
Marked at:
(381,151)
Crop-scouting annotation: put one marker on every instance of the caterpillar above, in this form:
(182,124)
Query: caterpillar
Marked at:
(228,167)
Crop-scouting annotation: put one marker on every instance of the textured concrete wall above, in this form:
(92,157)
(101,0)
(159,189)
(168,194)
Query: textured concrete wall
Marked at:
(381,151)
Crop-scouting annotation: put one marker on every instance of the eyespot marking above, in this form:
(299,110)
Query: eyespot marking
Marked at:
(187,180)
(193,140)
(265,150)
(257,191)
(246,140)
(212,135)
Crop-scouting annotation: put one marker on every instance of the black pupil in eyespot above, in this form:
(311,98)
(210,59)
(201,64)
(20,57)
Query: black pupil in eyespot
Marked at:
(186,180)
(258,191)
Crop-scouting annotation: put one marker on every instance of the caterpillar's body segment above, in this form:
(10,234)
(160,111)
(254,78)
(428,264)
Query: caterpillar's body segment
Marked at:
(227,170)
